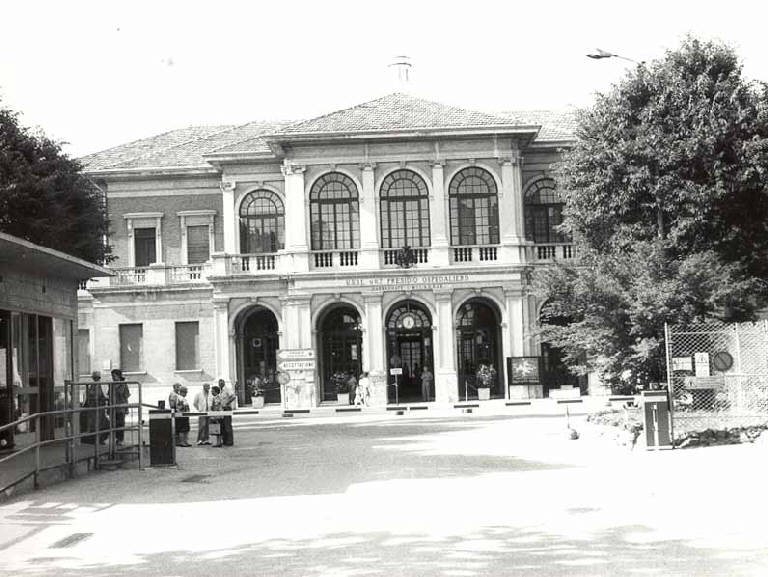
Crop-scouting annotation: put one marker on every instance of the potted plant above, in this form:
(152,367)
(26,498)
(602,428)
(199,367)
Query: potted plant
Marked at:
(486,377)
(255,389)
(340,381)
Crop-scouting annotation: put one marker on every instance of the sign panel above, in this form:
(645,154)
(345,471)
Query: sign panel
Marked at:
(297,365)
(292,354)
(682,364)
(704,383)
(396,371)
(702,364)
(722,361)
(523,370)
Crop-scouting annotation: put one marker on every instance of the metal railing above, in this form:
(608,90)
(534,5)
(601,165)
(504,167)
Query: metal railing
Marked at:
(44,459)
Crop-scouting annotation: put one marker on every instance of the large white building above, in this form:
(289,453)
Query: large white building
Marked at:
(394,234)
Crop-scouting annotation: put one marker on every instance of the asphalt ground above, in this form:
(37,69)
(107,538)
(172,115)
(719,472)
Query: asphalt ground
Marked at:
(453,495)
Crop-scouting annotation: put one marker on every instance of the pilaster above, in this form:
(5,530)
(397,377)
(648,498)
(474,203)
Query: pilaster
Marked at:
(511,222)
(438,213)
(369,228)
(296,210)
(374,348)
(223,339)
(446,378)
(301,391)
(229,216)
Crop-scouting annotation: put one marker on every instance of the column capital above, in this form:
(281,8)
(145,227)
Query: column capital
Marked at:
(514,157)
(227,185)
(367,166)
(221,303)
(373,297)
(439,164)
(442,295)
(295,300)
(288,168)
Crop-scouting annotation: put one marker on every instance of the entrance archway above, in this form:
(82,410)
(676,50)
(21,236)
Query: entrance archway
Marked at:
(340,345)
(478,342)
(257,345)
(409,347)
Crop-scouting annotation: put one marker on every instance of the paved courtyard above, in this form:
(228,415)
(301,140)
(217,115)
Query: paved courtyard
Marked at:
(382,495)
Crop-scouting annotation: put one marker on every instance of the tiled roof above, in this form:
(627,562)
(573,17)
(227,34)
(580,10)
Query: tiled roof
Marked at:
(187,147)
(395,111)
(555,124)
(184,147)
(147,146)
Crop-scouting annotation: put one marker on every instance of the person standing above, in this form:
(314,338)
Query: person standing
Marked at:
(227,404)
(119,393)
(182,423)
(215,422)
(95,399)
(173,396)
(426,384)
(202,404)
(363,390)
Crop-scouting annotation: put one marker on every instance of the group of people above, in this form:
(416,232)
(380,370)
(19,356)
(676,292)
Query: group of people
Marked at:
(218,398)
(105,418)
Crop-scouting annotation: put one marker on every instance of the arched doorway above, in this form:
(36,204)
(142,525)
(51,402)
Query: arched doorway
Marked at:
(257,345)
(409,347)
(478,342)
(341,346)
(554,371)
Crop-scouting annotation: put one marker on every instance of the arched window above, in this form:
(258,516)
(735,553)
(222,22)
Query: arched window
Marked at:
(543,212)
(404,210)
(262,223)
(335,219)
(474,208)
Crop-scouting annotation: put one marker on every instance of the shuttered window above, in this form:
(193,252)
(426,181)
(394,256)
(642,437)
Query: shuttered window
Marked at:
(187,346)
(198,244)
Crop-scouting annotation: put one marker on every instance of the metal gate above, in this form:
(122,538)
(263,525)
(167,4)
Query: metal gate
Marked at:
(718,375)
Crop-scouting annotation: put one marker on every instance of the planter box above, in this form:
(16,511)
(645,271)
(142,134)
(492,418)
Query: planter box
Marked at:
(342,398)
(257,402)
(483,393)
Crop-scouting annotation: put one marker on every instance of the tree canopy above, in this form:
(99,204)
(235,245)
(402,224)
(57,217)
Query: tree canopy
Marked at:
(665,199)
(45,198)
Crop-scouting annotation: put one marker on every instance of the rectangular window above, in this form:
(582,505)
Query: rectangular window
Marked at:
(198,244)
(144,243)
(187,346)
(84,351)
(131,348)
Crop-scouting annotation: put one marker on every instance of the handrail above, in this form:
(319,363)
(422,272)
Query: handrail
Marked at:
(69,439)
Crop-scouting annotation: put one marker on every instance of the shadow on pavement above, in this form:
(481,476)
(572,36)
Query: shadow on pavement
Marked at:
(304,458)
(492,551)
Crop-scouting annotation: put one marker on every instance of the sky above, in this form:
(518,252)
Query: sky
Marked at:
(99,74)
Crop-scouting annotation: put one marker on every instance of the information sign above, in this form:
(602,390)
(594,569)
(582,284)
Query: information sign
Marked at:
(297,365)
(294,354)
(396,371)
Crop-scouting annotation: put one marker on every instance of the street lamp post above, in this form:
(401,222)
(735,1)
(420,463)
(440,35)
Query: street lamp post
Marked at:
(600,54)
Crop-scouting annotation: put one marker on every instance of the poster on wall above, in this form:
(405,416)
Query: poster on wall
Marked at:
(523,370)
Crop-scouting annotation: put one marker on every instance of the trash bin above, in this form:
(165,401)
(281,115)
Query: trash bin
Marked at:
(162,447)
(657,420)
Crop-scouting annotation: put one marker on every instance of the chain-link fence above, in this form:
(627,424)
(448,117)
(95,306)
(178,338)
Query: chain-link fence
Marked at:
(718,374)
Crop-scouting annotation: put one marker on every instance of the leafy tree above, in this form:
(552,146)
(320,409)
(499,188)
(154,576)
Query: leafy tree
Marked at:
(665,197)
(44,197)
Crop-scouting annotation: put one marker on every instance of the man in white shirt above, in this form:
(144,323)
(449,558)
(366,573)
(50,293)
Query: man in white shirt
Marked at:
(228,398)
(202,404)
